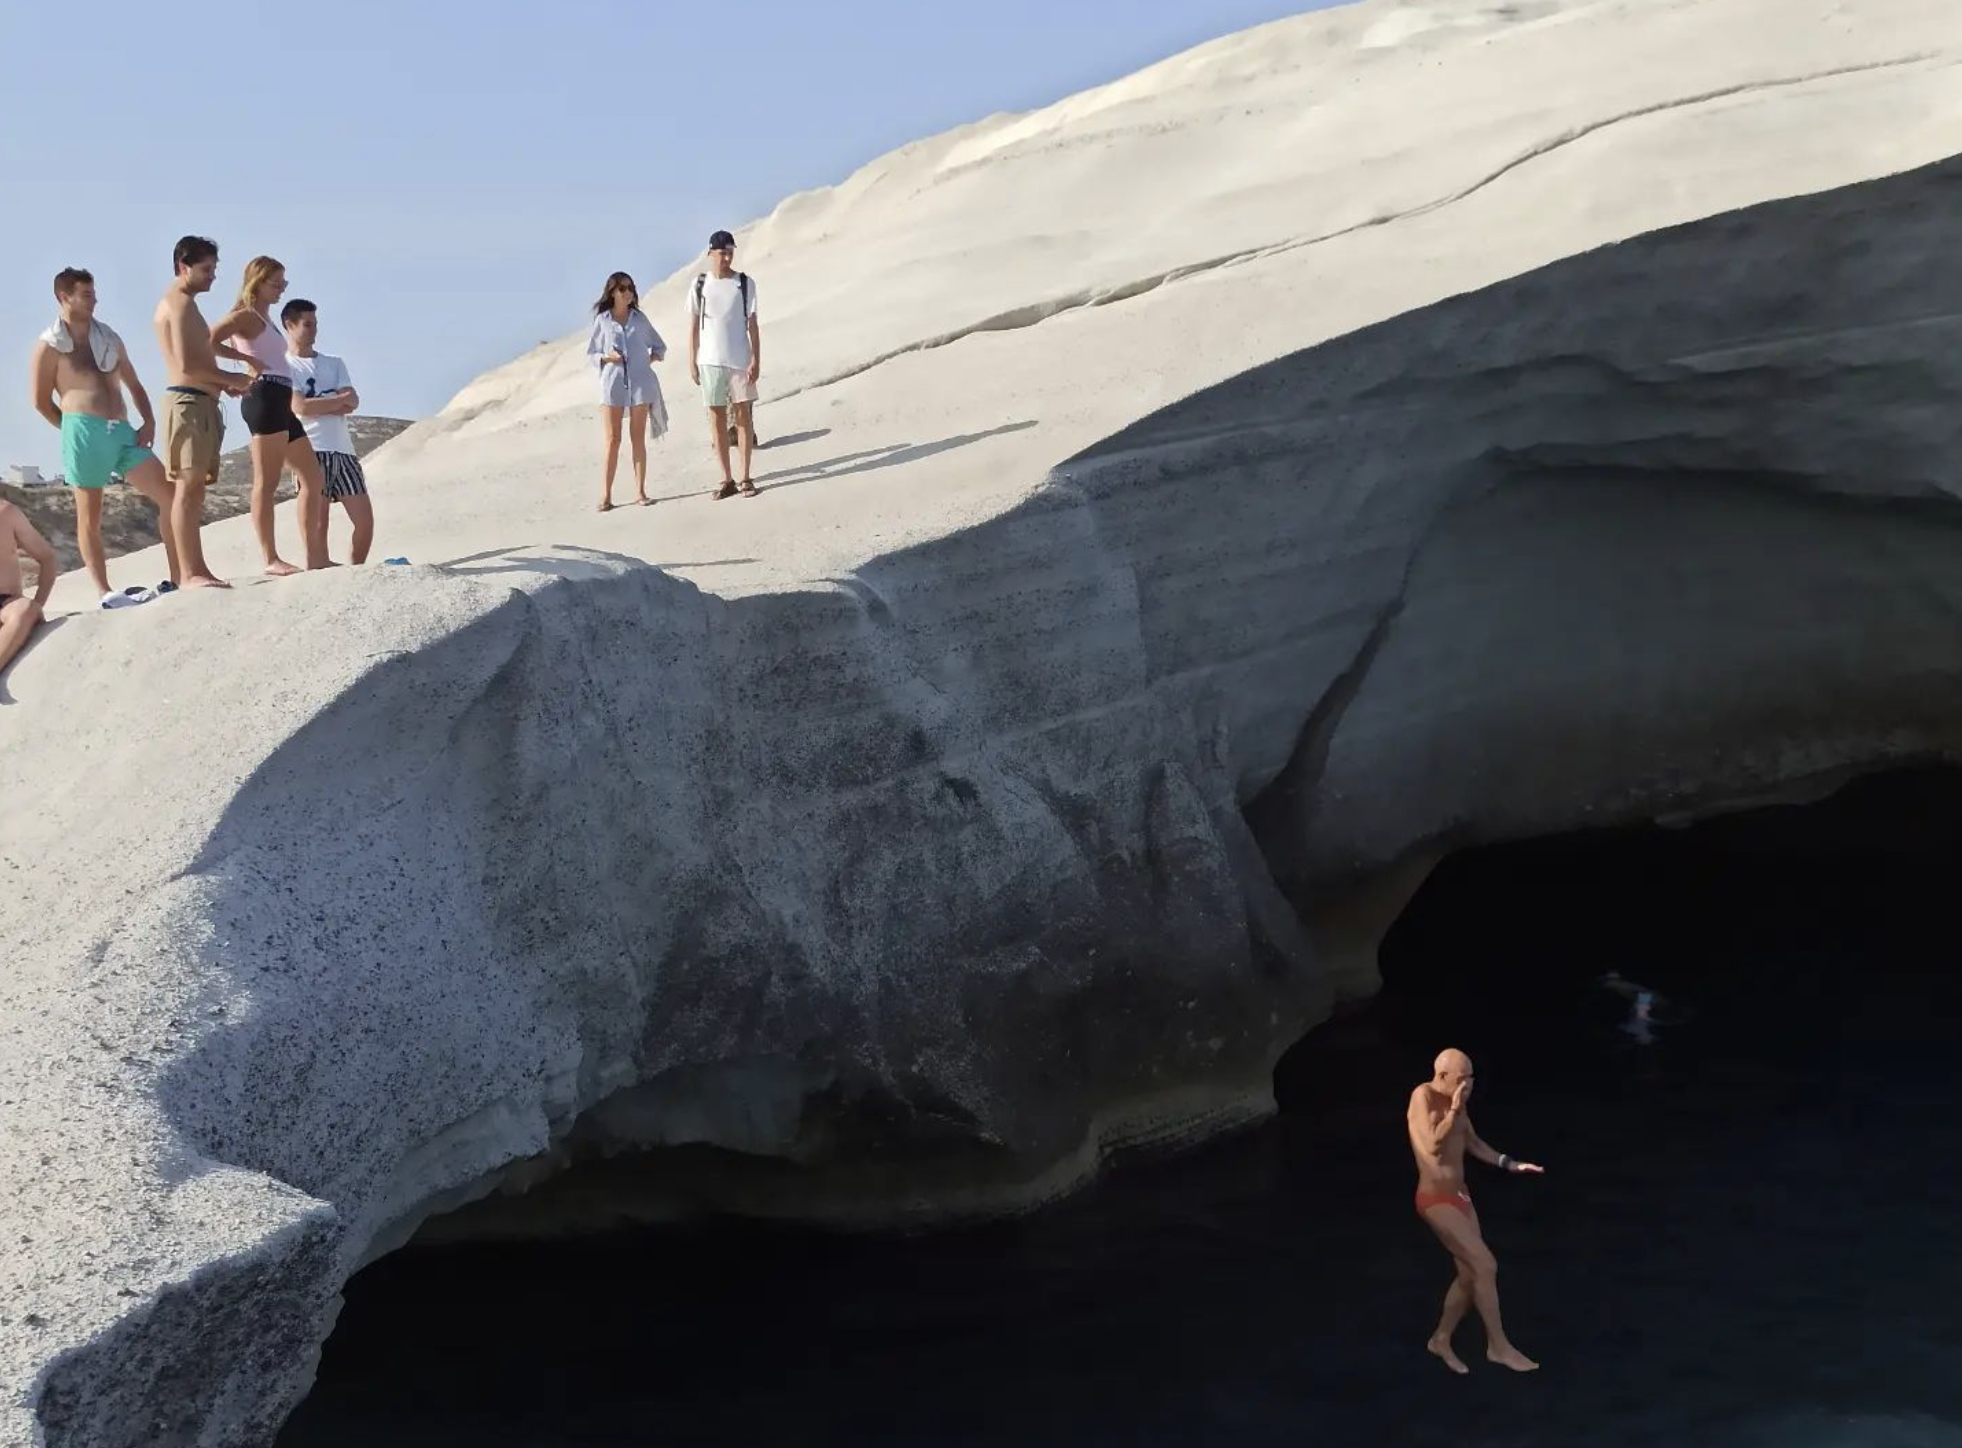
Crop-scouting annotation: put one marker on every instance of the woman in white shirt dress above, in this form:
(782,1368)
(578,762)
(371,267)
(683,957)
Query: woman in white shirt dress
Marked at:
(625,347)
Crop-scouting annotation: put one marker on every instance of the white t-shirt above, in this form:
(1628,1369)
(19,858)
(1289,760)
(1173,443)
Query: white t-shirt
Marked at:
(317,376)
(724,325)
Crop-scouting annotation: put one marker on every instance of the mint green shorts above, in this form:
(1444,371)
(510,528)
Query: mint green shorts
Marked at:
(722,386)
(94,447)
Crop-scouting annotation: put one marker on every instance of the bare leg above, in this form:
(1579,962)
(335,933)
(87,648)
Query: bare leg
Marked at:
(1498,1347)
(719,425)
(741,414)
(610,422)
(1456,1301)
(361,512)
(1460,1233)
(637,434)
(88,536)
(268,462)
(187,523)
(18,620)
(149,480)
(311,501)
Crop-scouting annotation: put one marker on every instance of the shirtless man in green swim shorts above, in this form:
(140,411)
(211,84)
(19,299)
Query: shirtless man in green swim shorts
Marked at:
(80,371)
(1441,1133)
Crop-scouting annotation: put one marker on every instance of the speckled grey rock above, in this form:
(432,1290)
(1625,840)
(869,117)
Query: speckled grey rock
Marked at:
(803,877)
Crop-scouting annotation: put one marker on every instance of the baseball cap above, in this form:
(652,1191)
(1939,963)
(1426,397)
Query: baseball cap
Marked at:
(720,240)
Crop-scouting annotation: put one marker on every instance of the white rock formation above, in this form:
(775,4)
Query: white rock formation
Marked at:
(913,836)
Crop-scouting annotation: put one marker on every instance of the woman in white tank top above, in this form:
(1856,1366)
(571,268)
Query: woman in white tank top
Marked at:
(248,334)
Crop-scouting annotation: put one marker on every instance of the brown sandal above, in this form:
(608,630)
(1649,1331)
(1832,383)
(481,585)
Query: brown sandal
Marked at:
(727,490)
(748,489)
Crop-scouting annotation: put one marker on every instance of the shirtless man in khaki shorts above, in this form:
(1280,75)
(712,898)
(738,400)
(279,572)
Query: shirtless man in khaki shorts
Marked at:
(1440,1134)
(193,427)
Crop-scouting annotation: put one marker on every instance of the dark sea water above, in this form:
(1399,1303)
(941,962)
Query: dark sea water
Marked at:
(1747,1234)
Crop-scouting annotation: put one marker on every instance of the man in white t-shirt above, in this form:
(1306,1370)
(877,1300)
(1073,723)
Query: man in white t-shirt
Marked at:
(323,396)
(725,354)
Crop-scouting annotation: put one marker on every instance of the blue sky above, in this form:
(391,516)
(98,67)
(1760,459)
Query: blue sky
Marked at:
(451,182)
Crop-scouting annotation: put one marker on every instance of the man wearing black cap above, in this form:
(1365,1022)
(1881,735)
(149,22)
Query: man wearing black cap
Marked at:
(725,355)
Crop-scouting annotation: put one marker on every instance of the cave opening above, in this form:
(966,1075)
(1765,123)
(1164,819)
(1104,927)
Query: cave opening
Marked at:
(1796,924)
(1742,1237)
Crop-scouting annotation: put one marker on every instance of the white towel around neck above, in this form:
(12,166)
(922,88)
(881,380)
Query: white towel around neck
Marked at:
(103,342)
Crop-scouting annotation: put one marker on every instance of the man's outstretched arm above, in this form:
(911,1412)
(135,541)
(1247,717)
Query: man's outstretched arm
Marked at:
(1482,1149)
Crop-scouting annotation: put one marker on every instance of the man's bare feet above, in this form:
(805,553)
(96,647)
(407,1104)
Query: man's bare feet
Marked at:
(606,505)
(1511,1357)
(329,563)
(1440,1348)
(280,568)
(203,580)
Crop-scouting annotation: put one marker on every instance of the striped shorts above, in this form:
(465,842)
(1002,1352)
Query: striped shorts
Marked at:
(343,474)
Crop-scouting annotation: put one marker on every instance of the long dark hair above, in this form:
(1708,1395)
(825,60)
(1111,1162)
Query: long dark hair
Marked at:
(613,284)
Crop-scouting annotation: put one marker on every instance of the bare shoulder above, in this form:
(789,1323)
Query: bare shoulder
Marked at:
(1420,1099)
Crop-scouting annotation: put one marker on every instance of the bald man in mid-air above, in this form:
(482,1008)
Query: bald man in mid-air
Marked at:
(1441,1133)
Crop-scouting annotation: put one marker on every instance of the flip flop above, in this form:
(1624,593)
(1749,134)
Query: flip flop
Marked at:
(166,587)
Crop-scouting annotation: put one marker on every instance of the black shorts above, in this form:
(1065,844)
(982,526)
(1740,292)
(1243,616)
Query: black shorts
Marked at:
(268,409)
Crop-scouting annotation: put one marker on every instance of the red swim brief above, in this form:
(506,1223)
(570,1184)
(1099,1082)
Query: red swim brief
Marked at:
(1461,1200)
